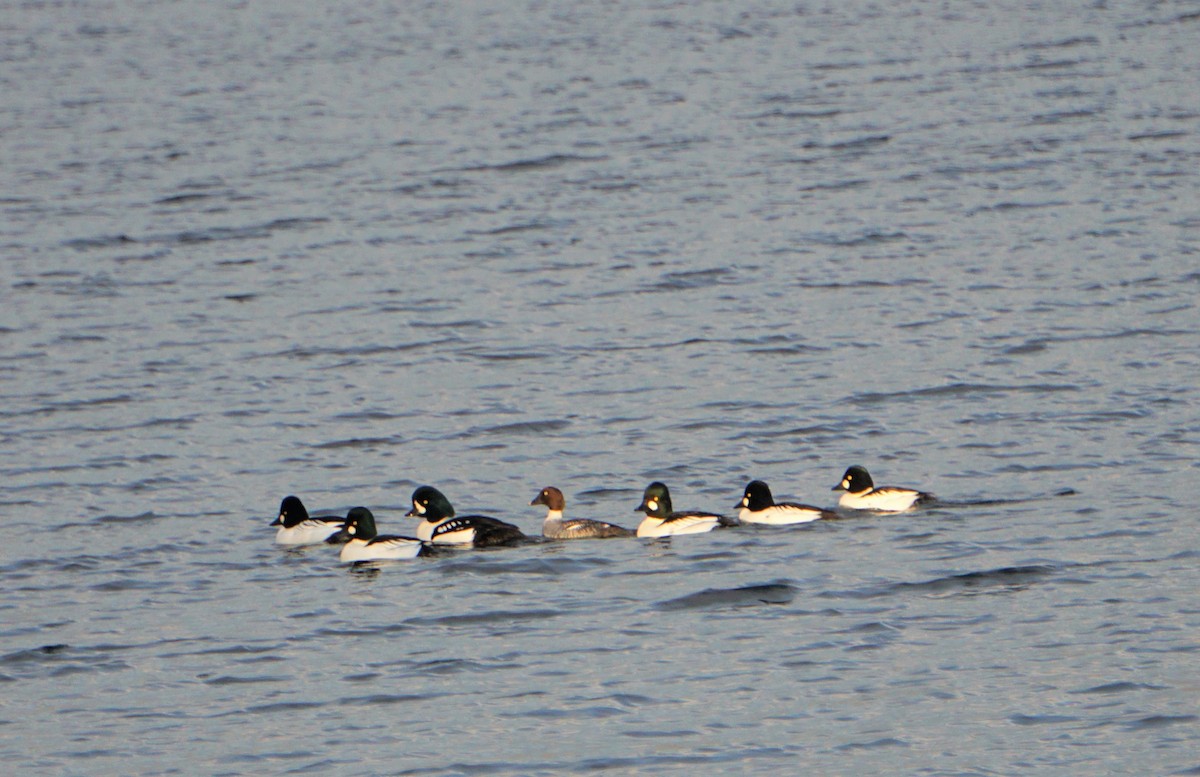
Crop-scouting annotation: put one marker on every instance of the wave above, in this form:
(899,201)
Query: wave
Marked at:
(744,596)
(1001,579)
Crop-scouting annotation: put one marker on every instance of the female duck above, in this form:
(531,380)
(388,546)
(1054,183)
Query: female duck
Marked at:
(662,521)
(365,544)
(861,493)
(440,526)
(555,527)
(296,528)
(758,506)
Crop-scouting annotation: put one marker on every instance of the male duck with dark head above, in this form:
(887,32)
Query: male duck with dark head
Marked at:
(861,493)
(758,506)
(662,521)
(297,528)
(555,527)
(364,543)
(440,526)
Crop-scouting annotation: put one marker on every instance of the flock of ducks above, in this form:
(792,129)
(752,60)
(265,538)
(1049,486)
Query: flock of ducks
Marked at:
(439,525)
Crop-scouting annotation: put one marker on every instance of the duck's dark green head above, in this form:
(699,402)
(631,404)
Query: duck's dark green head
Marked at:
(855,480)
(291,513)
(656,501)
(360,524)
(430,504)
(757,497)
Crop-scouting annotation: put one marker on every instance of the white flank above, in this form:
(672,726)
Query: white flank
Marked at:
(887,500)
(363,550)
(461,537)
(310,532)
(779,515)
(691,524)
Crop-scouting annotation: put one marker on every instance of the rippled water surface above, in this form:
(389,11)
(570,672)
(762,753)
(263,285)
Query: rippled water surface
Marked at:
(345,249)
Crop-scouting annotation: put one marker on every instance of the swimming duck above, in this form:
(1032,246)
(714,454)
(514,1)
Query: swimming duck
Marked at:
(758,506)
(555,527)
(364,543)
(662,521)
(862,494)
(440,526)
(297,528)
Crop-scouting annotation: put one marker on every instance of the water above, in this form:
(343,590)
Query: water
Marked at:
(341,250)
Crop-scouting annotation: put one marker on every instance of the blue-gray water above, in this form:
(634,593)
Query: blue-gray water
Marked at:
(343,249)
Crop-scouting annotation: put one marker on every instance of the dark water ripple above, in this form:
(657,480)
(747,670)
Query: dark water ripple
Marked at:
(769,593)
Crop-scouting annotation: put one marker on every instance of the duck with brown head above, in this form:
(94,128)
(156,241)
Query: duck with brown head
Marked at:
(555,527)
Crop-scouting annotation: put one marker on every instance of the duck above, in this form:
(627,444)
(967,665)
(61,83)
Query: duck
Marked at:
(862,494)
(364,543)
(440,526)
(297,528)
(662,521)
(555,527)
(758,506)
